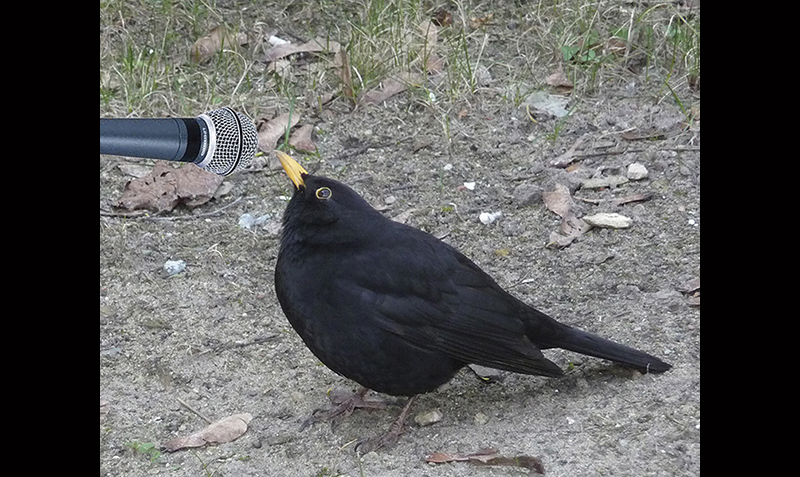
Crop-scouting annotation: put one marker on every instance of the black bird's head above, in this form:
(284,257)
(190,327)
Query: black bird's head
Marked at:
(323,210)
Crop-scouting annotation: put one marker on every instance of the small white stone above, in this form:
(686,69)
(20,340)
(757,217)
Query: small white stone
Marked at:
(636,172)
(275,41)
(428,418)
(174,266)
(489,217)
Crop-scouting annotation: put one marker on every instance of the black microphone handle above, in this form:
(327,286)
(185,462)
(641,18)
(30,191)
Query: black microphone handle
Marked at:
(170,139)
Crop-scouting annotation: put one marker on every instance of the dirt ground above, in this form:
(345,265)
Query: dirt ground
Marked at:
(214,337)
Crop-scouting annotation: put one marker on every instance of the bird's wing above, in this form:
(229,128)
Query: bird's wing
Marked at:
(434,297)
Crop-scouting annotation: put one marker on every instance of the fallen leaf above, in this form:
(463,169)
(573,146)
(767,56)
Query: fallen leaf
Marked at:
(443,17)
(430,34)
(389,88)
(282,68)
(603,182)
(690,285)
(270,131)
(219,37)
(477,22)
(608,220)
(301,139)
(225,430)
(166,187)
(638,197)
(560,81)
(488,456)
(314,46)
(559,201)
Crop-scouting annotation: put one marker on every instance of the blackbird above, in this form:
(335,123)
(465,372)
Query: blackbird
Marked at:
(399,311)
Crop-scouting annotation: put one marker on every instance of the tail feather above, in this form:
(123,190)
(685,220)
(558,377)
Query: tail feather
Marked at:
(548,333)
(593,345)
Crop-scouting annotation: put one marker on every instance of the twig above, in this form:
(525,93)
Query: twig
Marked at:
(199,414)
(141,213)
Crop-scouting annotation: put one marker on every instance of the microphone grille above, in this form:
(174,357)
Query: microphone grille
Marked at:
(234,141)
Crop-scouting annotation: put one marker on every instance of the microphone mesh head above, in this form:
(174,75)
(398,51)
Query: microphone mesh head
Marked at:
(234,141)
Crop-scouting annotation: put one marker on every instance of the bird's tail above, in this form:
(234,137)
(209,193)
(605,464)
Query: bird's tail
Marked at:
(548,333)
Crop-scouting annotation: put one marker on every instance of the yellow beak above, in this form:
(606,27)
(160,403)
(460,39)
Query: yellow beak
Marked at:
(292,168)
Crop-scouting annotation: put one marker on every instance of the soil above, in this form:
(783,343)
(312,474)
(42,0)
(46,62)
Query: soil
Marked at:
(214,336)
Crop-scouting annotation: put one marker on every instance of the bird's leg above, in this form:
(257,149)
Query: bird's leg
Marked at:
(345,405)
(390,437)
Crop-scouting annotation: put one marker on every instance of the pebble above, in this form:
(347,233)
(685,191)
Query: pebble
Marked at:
(527,194)
(481,418)
(489,217)
(246,221)
(173,267)
(429,417)
(636,172)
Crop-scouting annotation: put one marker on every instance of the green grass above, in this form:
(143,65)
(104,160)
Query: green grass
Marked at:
(145,67)
(146,448)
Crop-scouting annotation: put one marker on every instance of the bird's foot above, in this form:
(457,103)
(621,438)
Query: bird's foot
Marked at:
(345,404)
(387,439)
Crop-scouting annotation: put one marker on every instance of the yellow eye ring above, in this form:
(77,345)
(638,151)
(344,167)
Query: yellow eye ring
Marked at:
(324,193)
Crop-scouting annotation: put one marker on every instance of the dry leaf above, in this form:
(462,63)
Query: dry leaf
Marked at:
(488,456)
(560,202)
(638,197)
(220,432)
(560,81)
(603,182)
(443,17)
(690,286)
(477,22)
(282,68)
(316,45)
(390,87)
(610,220)
(693,287)
(301,139)
(270,131)
(166,187)
(218,38)
(430,35)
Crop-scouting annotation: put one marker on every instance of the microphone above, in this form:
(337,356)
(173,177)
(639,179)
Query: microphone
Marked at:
(220,141)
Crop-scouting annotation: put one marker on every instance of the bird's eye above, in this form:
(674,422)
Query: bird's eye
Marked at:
(324,193)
